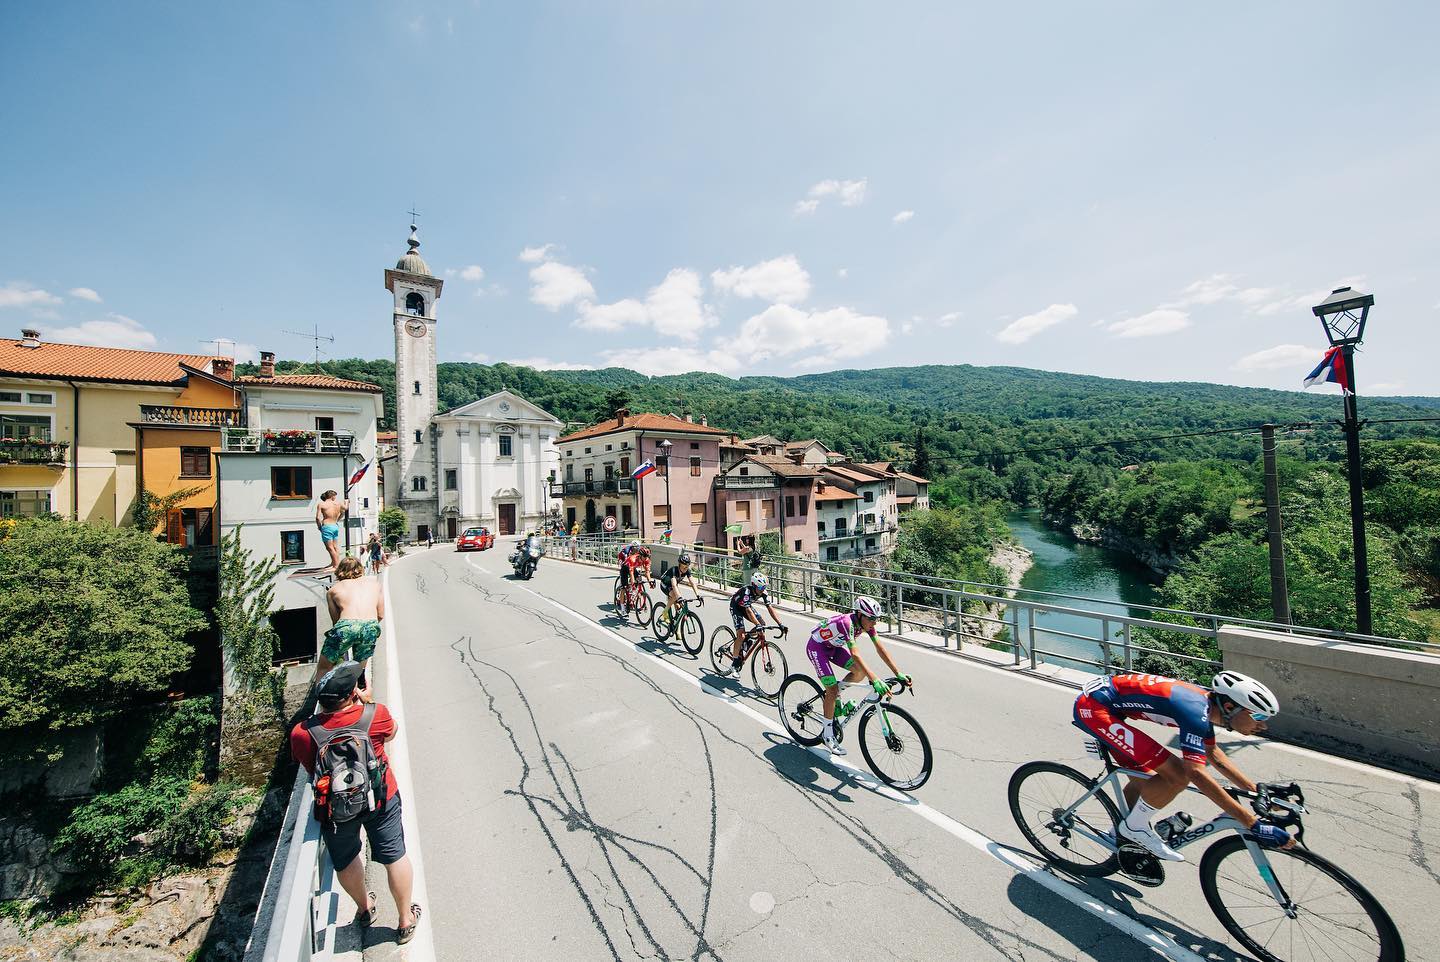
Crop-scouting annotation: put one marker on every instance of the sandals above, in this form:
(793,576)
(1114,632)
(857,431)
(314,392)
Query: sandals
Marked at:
(408,932)
(366,918)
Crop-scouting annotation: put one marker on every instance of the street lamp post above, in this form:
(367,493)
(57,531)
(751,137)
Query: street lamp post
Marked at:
(669,521)
(1343,315)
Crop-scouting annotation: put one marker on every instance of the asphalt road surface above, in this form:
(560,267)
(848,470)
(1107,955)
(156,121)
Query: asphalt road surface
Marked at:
(585,792)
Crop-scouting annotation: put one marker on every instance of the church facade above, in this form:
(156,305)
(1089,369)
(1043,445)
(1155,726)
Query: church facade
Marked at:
(486,463)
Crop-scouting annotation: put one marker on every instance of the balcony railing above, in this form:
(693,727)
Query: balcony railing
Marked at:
(737,481)
(201,417)
(859,531)
(33,451)
(254,441)
(601,486)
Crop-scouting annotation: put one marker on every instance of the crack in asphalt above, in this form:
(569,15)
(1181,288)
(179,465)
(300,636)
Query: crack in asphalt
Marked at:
(1417,853)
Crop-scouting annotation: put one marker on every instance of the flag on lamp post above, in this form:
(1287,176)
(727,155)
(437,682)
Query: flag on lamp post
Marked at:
(643,469)
(355,478)
(1331,369)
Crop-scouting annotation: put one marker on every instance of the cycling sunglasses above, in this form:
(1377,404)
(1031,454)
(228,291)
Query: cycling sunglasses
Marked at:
(1260,716)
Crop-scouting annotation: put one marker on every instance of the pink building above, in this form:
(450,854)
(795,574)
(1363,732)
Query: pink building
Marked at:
(763,493)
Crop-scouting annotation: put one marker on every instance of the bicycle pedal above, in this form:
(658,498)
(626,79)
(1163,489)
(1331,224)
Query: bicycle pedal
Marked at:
(1139,866)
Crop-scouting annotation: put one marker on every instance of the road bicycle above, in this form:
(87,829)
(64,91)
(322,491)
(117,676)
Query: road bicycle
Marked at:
(1282,905)
(632,599)
(894,745)
(686,624)
(767,661)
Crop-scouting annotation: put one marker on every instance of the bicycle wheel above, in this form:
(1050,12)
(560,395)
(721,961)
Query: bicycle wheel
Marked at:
(1039,793)
(615,595)
(801,710)
(901,756)
(642,607)
(722,642)
(767,669)
(1335,918)
(692,633)
(661,620)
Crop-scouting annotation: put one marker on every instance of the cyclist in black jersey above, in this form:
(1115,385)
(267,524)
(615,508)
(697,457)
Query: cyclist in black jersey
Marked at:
(670,584)
(742,605)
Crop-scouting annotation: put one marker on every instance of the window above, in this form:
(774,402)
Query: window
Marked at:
(832,554)
(324,424)
(589,475)
(417,483)
(789,505)
(364,502)
(418,438)
(609,510)
(450,479)
(608,447)
(24,504)
(870,519)
(804,504)
(190,526)
(694,467)
(744,472)
(797,545)
(290,483)
(417,387)
(16,426)
(415,304)
(820,527)
(194,462)
(292,547)
(609,472)
(840,527)
(587,450)
(742,510)
(869,497)
(767,509)
(569,518)
(506,446)
(625,466)
(627,516)
(295,631)
(569,472)
(9,397)
(40,398)
(661,514)
(697,512)
(869,542)
(694,445)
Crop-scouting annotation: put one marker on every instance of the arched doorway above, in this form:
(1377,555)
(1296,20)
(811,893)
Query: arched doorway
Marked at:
(590,521)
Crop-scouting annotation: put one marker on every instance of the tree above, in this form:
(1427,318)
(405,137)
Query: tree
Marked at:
(151,509)
(394,523)
(93,620)
(920,463)
(242,613)
(616,399)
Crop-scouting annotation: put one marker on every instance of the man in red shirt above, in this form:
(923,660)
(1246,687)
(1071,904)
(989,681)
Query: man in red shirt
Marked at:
(339,705)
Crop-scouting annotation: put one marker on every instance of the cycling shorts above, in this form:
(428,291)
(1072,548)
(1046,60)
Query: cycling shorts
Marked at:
(826,658)
(737,615)
(1131,746)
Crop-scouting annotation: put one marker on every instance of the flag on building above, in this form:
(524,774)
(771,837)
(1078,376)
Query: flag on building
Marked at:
(1332,369)
(734,528)
(644,468)
(355,478)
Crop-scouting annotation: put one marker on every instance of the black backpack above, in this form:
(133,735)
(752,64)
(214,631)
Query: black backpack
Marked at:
(347,770)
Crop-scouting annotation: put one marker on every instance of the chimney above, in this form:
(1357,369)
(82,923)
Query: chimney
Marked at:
(267,364)
(29,337)
(620,415)
(223,368)
(689,417)
(704,421)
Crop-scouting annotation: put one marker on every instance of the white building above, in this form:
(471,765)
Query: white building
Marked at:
(496,458)
(858,512)
(413,476)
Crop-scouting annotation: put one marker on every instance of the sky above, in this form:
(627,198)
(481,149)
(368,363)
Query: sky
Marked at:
(1139,190)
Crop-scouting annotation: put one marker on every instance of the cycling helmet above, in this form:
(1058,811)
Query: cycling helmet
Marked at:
(867,606)
(759,582)
(684,559)
(1246,692)
(644,551)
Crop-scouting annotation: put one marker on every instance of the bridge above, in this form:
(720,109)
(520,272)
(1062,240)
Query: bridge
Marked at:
(575,789)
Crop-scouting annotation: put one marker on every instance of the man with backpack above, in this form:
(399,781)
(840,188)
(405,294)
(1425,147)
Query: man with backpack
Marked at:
(342,746)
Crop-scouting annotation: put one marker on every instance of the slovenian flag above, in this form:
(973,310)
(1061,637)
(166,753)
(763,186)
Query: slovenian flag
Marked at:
(355,478)
(1332,369)
(646,467)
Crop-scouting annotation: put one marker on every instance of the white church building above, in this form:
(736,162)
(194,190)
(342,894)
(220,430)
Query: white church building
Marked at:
(487,463)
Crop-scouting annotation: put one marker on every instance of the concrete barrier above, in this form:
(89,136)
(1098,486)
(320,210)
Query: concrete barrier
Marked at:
(1378,705)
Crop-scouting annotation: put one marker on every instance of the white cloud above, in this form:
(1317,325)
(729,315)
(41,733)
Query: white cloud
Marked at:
(671,360)
(18,294)
(831,335)
(1386,387)
(114,330)
(780,280)
(1163,320)
(1278,357)
(1222,287)
(559,284)
(902,216)
(1301,303)
(85,294)
(673,308)
(612,317)
(475,356)
(844,272)
(850,193)
(1022,329)
(945,320)
(472,273)
(545,364)
(534,255)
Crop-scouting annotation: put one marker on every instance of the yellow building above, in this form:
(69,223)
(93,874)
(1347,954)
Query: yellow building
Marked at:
(76,422)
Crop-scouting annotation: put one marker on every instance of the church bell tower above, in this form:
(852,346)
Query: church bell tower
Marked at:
(415,290)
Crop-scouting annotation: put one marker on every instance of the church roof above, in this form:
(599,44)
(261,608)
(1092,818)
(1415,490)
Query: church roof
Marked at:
(84,363)
(643,422)
(322,382)
(411,262)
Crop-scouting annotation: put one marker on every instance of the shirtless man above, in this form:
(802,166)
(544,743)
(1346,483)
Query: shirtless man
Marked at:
(357,606)
(328,515)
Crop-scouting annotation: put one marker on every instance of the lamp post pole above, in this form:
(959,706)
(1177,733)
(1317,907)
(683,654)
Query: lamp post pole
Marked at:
(669,511)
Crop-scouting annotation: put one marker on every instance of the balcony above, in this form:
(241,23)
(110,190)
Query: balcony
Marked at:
(859,531)
(250,441)
(199,417)
(736,481)
(33,451)
(604,486)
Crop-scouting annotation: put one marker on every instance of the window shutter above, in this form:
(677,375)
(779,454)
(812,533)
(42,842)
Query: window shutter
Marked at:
(174,528)
(203,531)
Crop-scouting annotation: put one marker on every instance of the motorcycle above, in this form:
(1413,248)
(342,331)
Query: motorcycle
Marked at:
(526,558)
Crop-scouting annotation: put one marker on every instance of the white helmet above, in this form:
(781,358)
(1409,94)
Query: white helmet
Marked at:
(867,606)
(759,582)
(1247,693)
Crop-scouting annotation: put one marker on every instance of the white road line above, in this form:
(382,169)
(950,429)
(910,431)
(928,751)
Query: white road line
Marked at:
(1131,926)
(422,947)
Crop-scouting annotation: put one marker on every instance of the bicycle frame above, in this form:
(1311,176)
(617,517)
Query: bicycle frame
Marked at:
(875,699)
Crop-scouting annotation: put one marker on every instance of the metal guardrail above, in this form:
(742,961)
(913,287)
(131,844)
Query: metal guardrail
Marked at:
(299,908)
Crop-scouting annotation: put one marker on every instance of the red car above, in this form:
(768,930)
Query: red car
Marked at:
(475,539)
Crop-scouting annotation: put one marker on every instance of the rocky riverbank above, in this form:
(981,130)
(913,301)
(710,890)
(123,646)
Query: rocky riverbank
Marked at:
(1160,562)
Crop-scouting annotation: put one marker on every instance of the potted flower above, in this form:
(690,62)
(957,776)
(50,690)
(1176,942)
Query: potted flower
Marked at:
(293,439)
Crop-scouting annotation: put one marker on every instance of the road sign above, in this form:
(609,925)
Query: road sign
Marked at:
(609,523)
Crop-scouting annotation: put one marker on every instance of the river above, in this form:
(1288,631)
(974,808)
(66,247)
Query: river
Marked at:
(1108,580)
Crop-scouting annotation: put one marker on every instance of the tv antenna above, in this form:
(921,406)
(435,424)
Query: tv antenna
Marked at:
(216,343)
(316,337)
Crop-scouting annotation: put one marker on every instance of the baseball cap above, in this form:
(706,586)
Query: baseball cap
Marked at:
(338,683)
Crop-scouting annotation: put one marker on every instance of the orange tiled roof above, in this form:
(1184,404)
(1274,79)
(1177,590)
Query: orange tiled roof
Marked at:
(84,363)
(832,493)
(323,381)
(643,422)
(911,477)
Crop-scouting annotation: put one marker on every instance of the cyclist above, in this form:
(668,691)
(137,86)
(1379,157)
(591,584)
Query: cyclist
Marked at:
(742,609)
(832,645)
(1238,702)
(670,584)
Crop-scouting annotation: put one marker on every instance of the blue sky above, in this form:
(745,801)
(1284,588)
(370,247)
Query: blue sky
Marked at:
(1130,189)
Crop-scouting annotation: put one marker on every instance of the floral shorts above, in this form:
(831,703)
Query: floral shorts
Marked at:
(350,635)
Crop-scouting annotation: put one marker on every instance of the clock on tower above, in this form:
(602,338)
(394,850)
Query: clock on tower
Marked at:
(417,485)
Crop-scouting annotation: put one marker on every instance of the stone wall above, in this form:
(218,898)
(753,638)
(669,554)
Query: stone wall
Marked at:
(1379,705)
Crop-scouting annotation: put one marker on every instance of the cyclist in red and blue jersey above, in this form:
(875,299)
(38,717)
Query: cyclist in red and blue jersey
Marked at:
(1240,703)
(832,646)
(742,605)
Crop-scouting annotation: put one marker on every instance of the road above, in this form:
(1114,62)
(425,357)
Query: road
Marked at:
(584,792)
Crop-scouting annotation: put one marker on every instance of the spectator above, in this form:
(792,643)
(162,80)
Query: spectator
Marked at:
(339,707)
(357,606)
